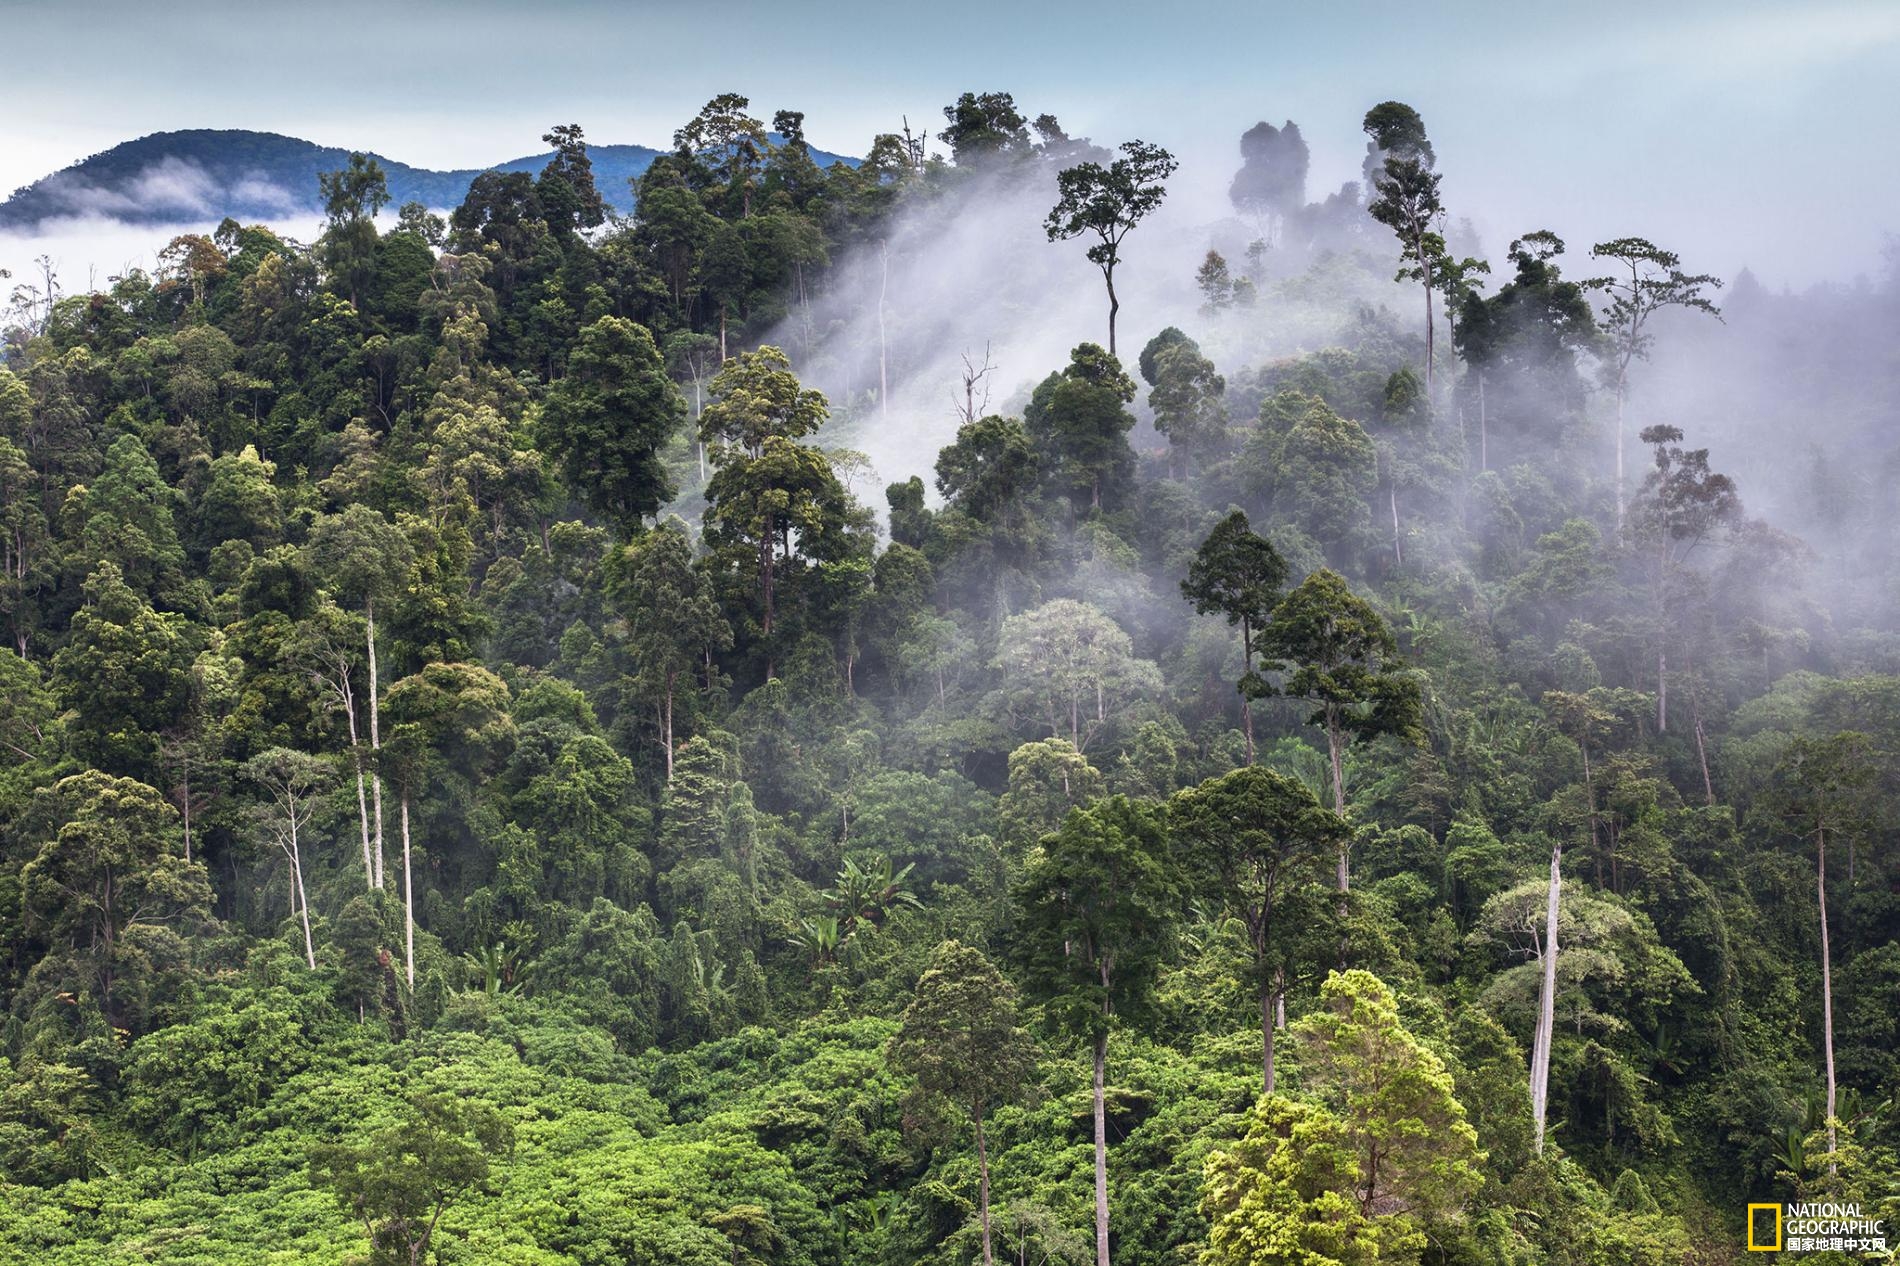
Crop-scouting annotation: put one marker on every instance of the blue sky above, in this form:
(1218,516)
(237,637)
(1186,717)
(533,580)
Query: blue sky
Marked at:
(1740,133)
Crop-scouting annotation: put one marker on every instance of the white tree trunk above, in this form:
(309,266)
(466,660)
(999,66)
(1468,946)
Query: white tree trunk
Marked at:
(375,734)
(1101,1151)
(408,899)
(1546,1005)
(362,798)
(303,899)
(1827,994)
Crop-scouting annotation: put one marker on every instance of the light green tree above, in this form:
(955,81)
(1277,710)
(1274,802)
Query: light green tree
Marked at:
(1417,1157)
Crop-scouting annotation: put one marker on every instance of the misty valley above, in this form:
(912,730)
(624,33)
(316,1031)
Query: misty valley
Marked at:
(1007,697)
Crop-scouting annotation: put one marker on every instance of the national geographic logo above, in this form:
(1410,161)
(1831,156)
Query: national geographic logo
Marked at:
(1814,1227)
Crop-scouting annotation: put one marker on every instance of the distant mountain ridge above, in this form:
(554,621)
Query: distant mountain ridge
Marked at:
(207,173)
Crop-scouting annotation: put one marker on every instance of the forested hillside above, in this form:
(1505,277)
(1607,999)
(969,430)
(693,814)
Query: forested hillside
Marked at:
(201,174)
(523,746)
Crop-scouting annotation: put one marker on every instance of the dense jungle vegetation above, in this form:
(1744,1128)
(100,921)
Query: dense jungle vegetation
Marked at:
(1333,771)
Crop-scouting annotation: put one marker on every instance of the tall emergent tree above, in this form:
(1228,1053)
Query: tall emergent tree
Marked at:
(1271,182)
(1649,280)
(1583,717)
(1098,909)
(566,186)
(963,1043)
(1406,201)
(607,418)
(730,141)
(351,199)
(1682,502)
(1108,202)
(294,782)
(450,720)
(364,558)
(1335,651)
(769,495)
(1817,791)
(322,648)
(1249,839)
(673,619)
(1237,573)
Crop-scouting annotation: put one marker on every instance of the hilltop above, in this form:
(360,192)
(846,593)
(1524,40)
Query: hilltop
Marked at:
(208,173)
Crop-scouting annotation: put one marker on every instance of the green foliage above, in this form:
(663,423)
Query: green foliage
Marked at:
(726,833)
(607,418)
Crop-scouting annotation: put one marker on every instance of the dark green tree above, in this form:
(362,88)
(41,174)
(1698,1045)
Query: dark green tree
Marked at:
(1098,907)
(1107,203)
(1250,840)
(984,125)
(566,185)
(672,619)
(1079,422)
(607,419)
(1333,650)
(1406,196)
(962,1043)
(112,897)
(351,198)
(1238,574)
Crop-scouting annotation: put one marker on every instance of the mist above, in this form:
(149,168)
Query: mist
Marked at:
(1792,392)
(86,251)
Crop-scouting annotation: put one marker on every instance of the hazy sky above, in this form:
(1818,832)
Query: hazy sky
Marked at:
(1740,133)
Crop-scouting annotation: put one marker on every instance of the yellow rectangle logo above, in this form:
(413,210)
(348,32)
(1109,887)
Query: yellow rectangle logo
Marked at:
(1753,1247)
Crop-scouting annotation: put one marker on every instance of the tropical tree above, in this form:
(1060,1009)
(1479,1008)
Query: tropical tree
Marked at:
(1285,1194)
(1819,789)
(1250,840)
(400,1179)
(1098,905)
(365,559)
(672,618)
(1681,504)
(111,895)
(1418,1156)
(1238,574)
(448,718)
(962,1042)
(294,782)
(1079,422)
(1072,668)
(1648,281)
(770,496)
(1333,650)
(607,418)
(1406,201)
(1107,202)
